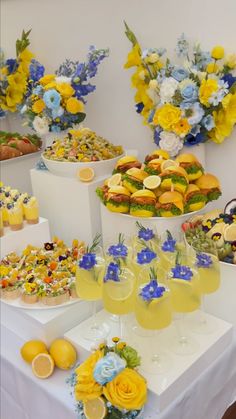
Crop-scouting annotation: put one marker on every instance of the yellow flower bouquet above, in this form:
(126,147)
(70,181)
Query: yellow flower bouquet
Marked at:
(108,385)
(184,104)
(17,75)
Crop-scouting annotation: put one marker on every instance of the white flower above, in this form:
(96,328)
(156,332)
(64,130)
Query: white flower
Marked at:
(153,96)
(170,143)
(153,84)
(168,88)
(41,125)
(63,79)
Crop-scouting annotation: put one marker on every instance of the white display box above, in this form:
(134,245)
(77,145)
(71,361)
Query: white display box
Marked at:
(15,172)
(71,206)
(222,302)
(46,324)
(163,389)
(114,223)
(16,241)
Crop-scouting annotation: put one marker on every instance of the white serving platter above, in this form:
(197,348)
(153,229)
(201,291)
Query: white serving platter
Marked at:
(19,304)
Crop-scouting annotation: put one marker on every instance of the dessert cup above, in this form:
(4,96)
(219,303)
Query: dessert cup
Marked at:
(15,217)
(31,211)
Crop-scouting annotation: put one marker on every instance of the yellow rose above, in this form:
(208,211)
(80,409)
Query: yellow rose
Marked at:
(128,390)
(230,61)
(218,52)
(182,127)
(167,116)
(86,387)
(212,68)
(134,57)
(207,87)
(38,106)
(50,85)
(65,89)
(47,79)
(74,105)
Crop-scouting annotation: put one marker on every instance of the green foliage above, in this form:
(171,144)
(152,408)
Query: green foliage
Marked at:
(130,35)
(23,43)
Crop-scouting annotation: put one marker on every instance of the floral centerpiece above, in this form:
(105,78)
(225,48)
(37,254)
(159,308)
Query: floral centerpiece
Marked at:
(107,385)
(188,103)
(57,100)
(17,76)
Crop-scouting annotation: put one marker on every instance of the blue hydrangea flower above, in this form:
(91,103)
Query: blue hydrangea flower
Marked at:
(145,256)
(36,70)
(112,273)
(169,245)
(146,234)
(182,272)
(11,64)
(197,113)
(203,260)
(37,90)
(55,128)
(88,261)
(118,250)
(108,367)
(208,122)
(151,290)
(52,99)
(179,73)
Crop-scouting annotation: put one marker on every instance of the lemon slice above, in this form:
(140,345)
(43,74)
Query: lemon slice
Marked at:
(230,233)
(95,409)
(217,228)
(114,180)
(168,163)
(86,174)
(43,365)
(152,182)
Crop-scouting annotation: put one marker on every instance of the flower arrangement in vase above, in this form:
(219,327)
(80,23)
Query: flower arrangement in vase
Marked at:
(107,385)
(56,102)
(188,103)
(17,76)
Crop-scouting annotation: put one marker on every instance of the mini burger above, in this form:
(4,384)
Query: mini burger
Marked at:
(142,203)
(153,167)
(170,204)
(117,199)
(126,163)
(157,154)
(209,186)
(133,179)
(174,177)
(191,165)
(194,199)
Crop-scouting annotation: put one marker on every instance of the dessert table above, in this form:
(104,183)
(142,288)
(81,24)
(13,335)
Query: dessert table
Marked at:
(26,397)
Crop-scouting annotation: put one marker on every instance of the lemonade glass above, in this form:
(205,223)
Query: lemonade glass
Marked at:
(143,257)
(145,236)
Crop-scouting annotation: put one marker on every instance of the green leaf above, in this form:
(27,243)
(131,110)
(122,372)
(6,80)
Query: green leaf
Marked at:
(233,88)
(23,43)
(130,35)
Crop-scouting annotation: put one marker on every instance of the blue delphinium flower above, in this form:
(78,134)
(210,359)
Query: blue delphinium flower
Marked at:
(156,135)
(229,78)
(146,234)
(182,46)
(112,273)
(11,64)
(52,99)
(88,261)
(203,260)
(182,272)
(208,122)
(169,245)
(139,107)
(179,73)
(193,140)
(118,250)
(145,256)
(151,115)
(151,290)
(36,70)
(108,367)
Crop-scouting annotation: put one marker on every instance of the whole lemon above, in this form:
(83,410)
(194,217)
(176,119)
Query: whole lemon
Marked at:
(63,353)
(32,348)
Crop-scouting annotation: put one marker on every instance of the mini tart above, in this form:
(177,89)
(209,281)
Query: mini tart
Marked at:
(54,300)
(29,298)
(10,293)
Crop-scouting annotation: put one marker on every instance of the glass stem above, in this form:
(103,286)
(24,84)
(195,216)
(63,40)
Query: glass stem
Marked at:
(181,330)
(120,327)
(94,314)
(155,355)
(203,319)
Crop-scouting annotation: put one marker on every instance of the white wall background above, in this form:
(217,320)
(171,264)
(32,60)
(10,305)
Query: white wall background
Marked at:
(65,28)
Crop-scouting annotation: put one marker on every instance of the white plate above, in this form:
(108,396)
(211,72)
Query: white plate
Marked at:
(18,303)
(69,169)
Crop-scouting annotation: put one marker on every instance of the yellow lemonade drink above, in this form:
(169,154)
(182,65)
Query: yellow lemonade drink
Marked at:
(89,281)
(144,258)
(31,210)
(155,313)
(119,294)
(185,289)
(209,272)
(15,217)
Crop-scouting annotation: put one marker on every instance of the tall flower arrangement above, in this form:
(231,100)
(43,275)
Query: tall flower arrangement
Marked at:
(188,103)
(17,76)
(57,100)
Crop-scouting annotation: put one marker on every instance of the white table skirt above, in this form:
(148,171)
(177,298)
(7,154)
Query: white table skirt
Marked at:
(24,396)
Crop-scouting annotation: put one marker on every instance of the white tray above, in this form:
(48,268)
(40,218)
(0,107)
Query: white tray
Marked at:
(19,304)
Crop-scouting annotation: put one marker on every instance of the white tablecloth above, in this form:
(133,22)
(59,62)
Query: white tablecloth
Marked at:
(25,397)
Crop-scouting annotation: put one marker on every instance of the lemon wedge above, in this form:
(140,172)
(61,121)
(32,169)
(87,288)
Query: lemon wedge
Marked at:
(86,174)
(152,182)
(230,233)
(168,163)
(114,180)
(95,409)
(43,366)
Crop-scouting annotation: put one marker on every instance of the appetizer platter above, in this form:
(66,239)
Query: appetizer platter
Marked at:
(15,145)
(160,187)
(41,277)
(79,149)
